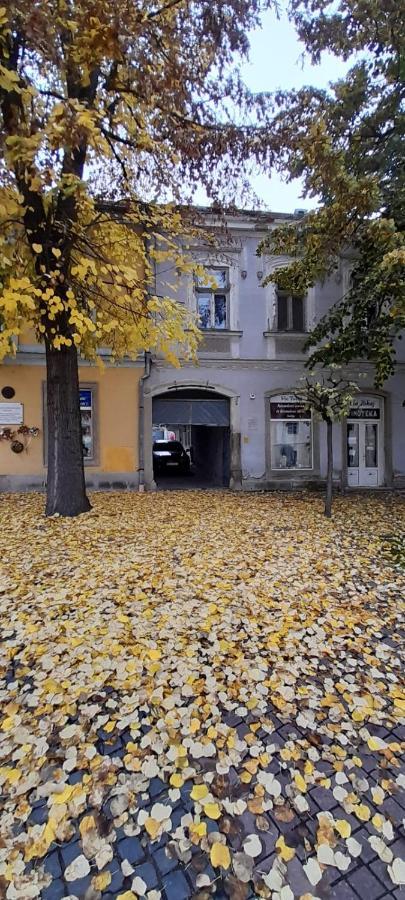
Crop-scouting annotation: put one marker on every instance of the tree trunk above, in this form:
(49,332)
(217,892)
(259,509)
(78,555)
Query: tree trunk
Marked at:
(329,477)
(66,491)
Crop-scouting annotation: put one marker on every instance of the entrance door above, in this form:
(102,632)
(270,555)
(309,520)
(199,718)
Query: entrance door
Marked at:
(363,454)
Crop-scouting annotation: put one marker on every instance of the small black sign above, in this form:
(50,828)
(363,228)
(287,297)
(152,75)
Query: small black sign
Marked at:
(363,413)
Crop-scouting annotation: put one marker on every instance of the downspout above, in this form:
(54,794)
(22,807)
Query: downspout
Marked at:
(142,380)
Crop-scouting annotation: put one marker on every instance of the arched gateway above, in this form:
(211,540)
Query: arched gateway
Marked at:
(205,420)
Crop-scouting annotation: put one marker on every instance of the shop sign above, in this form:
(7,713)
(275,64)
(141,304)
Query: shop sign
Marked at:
(364,408)
(85,399)
(11,413)
(286,406)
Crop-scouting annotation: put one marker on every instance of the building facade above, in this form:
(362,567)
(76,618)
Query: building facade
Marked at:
(236,407)
(234,410)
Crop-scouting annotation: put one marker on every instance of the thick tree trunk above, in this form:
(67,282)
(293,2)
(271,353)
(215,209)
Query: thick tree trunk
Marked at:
(329,477)
(66,491)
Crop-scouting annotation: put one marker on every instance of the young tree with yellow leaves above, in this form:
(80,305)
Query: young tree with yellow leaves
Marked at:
(328,395)
(103,101)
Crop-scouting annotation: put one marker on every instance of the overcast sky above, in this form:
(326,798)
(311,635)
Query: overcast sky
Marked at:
(276,62)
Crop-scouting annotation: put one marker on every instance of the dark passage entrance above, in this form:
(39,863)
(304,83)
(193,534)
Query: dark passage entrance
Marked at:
(199,420)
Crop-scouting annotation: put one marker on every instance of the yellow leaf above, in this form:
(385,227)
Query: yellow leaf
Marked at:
(37,248)
(154,654)
(220,856)
(129,895)
(378,795)
(7,723)
(64,796)
(109,727)
(152,827)
(101,881)
(11,775)
(199,829)
(362,812)
(87,824)
(56,252)
(377,821)
(343,828)
(300,782)
(286,853)
(245,777)
(212,810)
(399,703)
(176,781)
(199,792)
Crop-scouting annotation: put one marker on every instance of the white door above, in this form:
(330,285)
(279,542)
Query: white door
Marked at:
(363,443)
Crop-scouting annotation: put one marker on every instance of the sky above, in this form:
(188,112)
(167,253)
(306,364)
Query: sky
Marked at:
(276,62)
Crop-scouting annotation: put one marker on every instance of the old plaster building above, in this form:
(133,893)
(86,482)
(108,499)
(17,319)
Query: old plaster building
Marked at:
(234,411)
(236,408)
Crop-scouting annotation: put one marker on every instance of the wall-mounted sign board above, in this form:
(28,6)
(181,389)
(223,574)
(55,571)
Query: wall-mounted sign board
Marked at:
(365,408)
(11,413)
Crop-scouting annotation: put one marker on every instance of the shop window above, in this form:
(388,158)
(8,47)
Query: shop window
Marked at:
(86,414)
(89,423)
(290,433)
(290,312)
(213,299)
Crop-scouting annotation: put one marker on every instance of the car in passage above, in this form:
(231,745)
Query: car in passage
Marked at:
(170,456)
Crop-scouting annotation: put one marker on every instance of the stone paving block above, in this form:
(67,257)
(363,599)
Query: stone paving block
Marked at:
(156,787)
(75,777)
(39,815)
(297,879)
(54,891)
(323,798)
(267,840)
(163,862)
(392,810)
(379,868)
(148,872)
(367,853)
(52,864)
(130,848)
(398,847)
(342,891)
(69,851)
(79,887)
(366,884)
(117,878)
(176,886)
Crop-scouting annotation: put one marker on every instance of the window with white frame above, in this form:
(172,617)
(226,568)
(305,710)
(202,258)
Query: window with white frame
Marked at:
(212,293)
(290,313)
(290,433)
(87,421)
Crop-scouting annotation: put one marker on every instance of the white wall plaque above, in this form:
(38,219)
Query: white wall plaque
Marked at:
(11,413)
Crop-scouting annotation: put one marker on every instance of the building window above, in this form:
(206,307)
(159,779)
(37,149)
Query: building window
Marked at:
(290,433)
(213,299)
(290,312)
(86,414)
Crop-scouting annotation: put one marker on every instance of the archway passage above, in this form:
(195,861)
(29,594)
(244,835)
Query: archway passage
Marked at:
(197,422)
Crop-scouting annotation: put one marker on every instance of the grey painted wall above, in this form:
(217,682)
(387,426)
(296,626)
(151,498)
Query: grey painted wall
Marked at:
(257,361)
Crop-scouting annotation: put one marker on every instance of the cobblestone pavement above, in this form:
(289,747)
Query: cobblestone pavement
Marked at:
(156,864)
(207,707)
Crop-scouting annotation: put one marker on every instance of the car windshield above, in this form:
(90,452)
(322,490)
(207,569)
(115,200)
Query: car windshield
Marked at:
(168,445)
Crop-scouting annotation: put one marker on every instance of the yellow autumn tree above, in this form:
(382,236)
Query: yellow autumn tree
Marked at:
(107,108)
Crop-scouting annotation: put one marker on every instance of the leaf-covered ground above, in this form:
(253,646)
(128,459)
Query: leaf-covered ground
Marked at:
(201,695)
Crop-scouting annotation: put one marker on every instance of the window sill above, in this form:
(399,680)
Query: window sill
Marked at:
(292,334)
(220,331)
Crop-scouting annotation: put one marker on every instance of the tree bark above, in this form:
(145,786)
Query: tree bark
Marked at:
(66,490)
(329,477)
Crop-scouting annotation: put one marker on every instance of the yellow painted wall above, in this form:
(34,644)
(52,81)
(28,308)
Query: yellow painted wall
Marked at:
(116,421)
